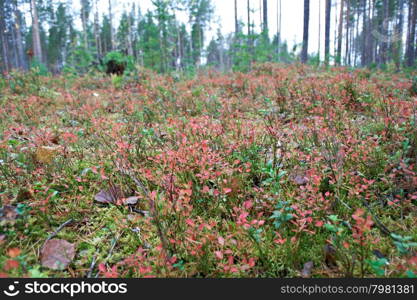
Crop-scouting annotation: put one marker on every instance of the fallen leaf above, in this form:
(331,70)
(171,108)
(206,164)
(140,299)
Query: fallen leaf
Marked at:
(13,252)
(56,254)
(110,195)
(45,154)
(8,213)
(300,180)
(131,200)
(308,267)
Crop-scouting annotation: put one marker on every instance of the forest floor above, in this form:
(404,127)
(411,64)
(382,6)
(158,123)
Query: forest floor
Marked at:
(286,171)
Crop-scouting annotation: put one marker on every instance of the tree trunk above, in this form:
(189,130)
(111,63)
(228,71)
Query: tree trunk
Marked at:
(236,20)
(385,43)
(129,36)
(97,33)
(412,11)
(5,54)
(37,49)
(347,57)
(340,35)
(355,36)
(19,39)
(279,25)
(304,52)
(364,34)
(327,32)
(398,43)
(265,15)
(84,23)
(113,47)
(249,20)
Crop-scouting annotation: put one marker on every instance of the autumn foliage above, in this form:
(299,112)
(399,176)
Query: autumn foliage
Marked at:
(285,171)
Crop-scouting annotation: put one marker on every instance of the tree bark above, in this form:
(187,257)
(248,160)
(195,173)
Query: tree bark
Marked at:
(37,49)
(327,32)
(5,54)
(265,15)
(304,51)
(340,35)
(113,47)
(412,13)
(19,39)
(236,20)
(97,32)
(84,23)
(347,57)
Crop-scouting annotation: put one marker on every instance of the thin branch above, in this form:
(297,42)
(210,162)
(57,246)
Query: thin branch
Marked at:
(55,233)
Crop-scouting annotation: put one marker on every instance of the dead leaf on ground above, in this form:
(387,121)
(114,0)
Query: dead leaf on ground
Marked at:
(300,180)
(57,254)
(45,154)
(110,195)
(131,200)
(8,213)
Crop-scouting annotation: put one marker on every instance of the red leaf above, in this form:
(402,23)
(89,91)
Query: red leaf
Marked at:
(13,252)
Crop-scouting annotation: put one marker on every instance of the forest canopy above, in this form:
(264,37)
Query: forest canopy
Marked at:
(183,35)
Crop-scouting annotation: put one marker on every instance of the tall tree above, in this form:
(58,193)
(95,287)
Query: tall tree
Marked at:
(340,34)
(265,15)
(36,38)
(304,51)
(398,42)
(249,24)
(236,19)
(4,42)
(112,46)
(279,15)
(327,32)
(85,12)
(411,32)
(97,32)
(19,39)
(200,14)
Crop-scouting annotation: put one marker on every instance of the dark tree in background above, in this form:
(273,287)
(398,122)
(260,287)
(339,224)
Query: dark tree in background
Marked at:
(327,32)
(304,51)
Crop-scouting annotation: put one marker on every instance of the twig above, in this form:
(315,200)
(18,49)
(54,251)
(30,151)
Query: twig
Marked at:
(378,223)
(55,233)
(143,213)
(113,245)
(93,264)
(152,209)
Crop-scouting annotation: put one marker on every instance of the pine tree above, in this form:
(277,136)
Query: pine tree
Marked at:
(304,52)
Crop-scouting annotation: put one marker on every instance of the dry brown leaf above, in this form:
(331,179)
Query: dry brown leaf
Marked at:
(110,195)
(45,154)
(8,213)
(300,180)
(56,254)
